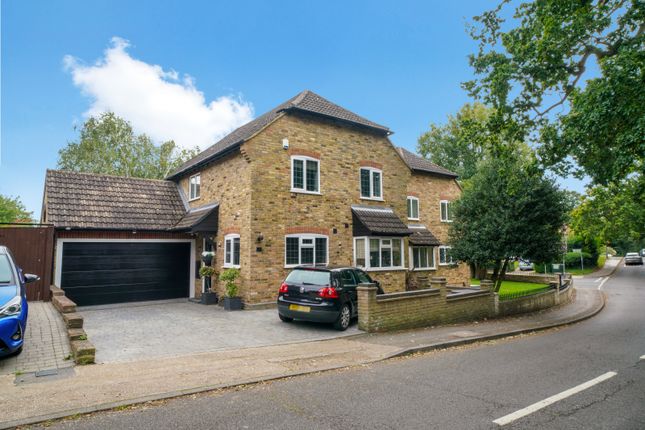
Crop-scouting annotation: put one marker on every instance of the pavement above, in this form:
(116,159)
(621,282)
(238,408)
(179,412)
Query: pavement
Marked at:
(46,345)
(105,386)
(173,328)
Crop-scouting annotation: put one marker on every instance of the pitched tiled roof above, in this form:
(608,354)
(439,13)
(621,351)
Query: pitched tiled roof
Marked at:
(307,101)
(377,220)
(417,163)
(91,201)
(422,236)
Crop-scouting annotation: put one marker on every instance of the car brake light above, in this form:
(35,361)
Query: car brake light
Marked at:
(328,293)
(284,288)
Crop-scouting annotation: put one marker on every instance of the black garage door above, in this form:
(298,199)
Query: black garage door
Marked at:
(95,273)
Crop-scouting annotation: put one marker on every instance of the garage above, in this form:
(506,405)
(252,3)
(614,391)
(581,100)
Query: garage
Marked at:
(102,272)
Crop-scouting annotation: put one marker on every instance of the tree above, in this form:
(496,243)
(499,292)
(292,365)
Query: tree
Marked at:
(532,75)
(459,144)
(508,209)
(12,210)
(615,214)
(109,145)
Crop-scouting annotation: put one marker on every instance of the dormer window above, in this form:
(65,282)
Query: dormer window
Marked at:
(305,175)
(194,187)
(371,181)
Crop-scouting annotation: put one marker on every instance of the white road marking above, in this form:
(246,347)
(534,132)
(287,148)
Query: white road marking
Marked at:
(507,419)
(598,280)
(603,282)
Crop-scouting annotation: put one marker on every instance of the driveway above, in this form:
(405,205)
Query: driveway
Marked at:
(46,346)
(148,330)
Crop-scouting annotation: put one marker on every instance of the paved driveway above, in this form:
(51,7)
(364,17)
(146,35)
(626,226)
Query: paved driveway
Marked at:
(46,346)
(172,328)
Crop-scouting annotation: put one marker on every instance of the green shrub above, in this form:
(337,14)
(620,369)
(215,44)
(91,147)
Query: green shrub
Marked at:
(207,271)
(229,276)
(572,260)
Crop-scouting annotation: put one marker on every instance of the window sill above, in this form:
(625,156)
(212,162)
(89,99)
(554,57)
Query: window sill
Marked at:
(194,198)
(446,220)
(231,266)
(423,269)
(448,264)
(383,269)
(315,193)
(374,199)
(413,219)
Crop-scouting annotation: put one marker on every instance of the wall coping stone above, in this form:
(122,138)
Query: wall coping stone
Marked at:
(381,298)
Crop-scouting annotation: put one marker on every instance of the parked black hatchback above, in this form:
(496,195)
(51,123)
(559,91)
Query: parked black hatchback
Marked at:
(321,294)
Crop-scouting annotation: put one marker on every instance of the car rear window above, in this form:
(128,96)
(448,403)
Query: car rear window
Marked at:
(5,270)
(308,277)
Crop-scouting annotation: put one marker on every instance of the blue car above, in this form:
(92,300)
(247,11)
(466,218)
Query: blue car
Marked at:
(13,304)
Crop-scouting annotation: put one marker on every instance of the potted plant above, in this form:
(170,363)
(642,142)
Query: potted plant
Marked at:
(209,297)
(231,300)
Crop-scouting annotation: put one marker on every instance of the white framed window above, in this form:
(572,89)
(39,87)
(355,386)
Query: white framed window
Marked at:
(305,175)
(305,249)
(232,250)
(446,212)
(371,183)
(194,187)
(445,255)
(422,258)
(413,208)
(378,253)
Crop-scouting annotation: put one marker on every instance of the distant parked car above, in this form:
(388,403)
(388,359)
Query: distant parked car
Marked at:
(322,294)
(643,252)
(13,303)
(632,258)
(525,265)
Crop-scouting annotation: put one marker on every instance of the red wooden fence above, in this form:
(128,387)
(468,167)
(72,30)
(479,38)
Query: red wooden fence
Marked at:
(33,248)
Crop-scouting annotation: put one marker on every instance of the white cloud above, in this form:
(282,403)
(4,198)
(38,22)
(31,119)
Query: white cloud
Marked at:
(156,101)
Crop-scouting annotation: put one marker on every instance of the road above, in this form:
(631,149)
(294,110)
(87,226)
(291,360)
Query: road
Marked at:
(463,388)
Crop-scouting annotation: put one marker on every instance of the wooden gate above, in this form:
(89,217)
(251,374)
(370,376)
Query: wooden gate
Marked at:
(33,248)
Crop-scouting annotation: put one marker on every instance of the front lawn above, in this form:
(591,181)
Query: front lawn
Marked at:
(513,288)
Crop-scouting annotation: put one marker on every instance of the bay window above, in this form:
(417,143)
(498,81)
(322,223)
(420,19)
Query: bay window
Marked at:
(422,257)
(378,252)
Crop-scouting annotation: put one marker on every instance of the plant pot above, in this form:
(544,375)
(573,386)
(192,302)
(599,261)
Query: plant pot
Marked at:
(233,303)
(209,298)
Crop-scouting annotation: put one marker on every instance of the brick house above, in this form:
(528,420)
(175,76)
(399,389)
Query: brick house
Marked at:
(308,182)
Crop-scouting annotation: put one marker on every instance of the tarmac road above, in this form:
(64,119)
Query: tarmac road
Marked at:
(586,376)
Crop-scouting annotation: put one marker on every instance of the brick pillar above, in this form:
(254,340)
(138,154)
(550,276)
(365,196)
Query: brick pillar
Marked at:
(366,305)
(486,285)
(440,282)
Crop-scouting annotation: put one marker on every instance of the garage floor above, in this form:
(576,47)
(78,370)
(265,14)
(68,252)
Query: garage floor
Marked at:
(148,330)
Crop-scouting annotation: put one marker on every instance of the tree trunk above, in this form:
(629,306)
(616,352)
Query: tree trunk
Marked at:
(496,271)
(500,279)
(482,272)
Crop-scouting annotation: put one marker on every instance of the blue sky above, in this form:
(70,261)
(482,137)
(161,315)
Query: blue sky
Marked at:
(397,63)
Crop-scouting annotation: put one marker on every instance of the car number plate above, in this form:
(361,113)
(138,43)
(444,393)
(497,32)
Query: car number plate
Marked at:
(299,308)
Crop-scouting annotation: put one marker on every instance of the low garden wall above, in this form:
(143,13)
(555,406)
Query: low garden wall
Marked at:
(420,308)
(538,302)
(537,278)
(441,304)
(83,350)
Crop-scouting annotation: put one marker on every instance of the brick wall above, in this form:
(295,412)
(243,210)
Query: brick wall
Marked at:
(422,308)
(537,302)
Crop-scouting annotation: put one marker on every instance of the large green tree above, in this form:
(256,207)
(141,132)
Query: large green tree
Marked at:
(459,144)
(508,209)
(12,210)
(109,145)
(569,75)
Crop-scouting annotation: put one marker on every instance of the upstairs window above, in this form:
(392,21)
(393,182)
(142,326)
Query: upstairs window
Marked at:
(446,212)
(305,175)
(371,183)
(413,208)
(232,250)
(194,187)
(305,249)
(445,255)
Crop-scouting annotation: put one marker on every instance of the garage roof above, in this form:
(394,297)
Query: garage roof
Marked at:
(92,201)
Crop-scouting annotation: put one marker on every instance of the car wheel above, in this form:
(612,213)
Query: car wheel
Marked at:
(17,351)
(285,319)
(344,318)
